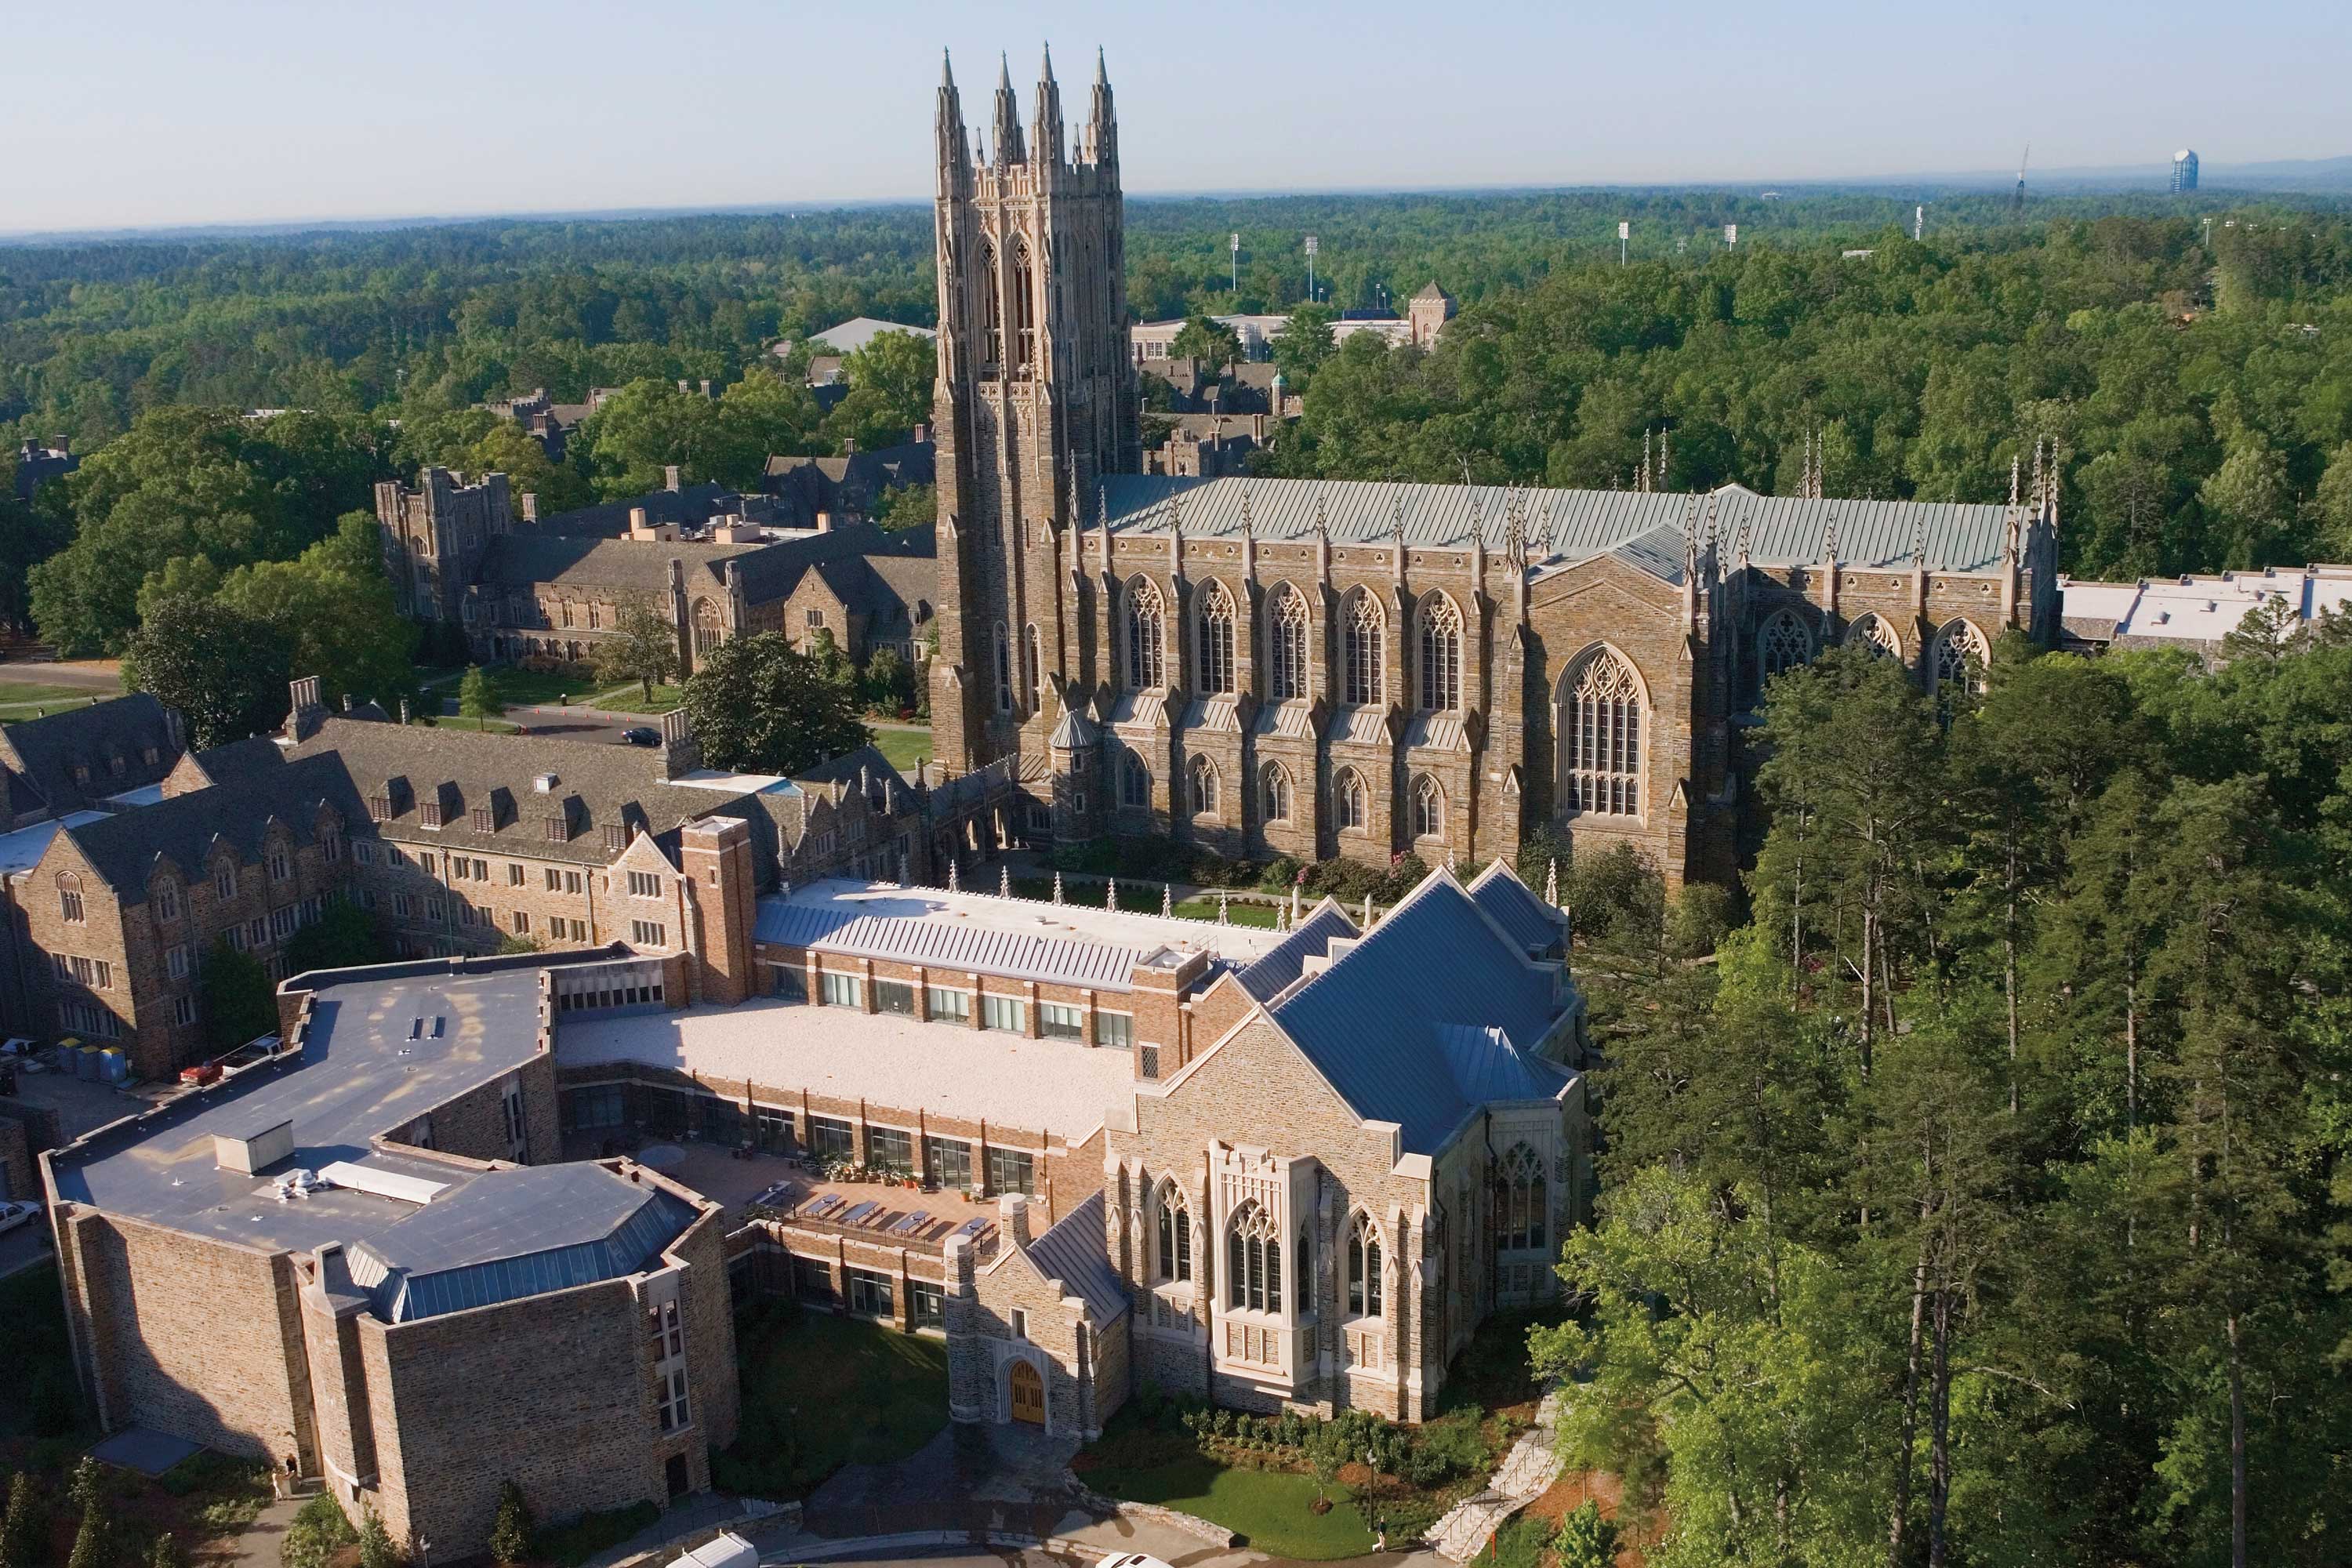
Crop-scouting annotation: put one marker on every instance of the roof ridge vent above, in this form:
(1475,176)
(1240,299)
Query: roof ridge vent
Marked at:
(543,784)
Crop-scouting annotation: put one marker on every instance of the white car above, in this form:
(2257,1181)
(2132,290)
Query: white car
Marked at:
(1130,1560)
(14,1215)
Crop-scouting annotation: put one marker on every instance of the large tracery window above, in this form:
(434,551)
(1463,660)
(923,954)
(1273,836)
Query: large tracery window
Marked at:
(1273,792)
(707,632)
(1203,779)
(1784,644)
(1147,637)
(1441,656)
(1175,1233)
(1428,808)
(991,312)
(1363,1269)
(1216,640)
(1254,1260)
(1871,632)
(1961,657)
(1364,685)
(1601,730)
(1350,802)
(1520,1214)
(1288,675)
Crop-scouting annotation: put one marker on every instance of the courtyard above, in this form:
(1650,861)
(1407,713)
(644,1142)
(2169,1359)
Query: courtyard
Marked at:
(821,1392)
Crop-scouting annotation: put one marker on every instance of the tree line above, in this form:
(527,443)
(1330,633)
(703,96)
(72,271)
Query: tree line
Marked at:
(1981,1195)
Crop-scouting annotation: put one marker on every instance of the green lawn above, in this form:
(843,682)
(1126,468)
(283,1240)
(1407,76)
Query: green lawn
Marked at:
(904,748)
(516,687)
(632,700)
(820,1391)
(1271,1509)
(1240,914)
(15,693)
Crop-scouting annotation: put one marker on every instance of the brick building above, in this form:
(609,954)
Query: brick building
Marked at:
(352,1259)
(1275,666)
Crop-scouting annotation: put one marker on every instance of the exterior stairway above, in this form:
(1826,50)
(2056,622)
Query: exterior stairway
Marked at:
(1525,1474)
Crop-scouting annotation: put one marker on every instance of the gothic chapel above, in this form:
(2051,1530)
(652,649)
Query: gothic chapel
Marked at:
(1310,668)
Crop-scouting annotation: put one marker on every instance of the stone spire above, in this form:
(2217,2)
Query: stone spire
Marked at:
(954,152)
(1007,131)
(1102,128)
(1045,125)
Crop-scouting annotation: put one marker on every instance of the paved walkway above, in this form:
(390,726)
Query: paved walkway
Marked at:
(260,1544)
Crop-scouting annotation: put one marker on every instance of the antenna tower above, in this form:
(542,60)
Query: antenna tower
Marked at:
(2017,197)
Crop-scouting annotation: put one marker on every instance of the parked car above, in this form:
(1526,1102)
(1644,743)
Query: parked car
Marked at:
(13,1214)
(641,735)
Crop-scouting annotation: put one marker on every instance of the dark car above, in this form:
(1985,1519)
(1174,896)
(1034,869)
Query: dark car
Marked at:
(641,736)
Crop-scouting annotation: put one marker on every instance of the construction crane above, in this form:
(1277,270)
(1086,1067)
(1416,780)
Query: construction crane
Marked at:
(2017,197)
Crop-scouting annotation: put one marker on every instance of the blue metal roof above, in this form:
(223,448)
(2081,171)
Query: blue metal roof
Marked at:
(1537,925)
(1379,1024)
(1073,1250)
(1277,971)
(1645,527)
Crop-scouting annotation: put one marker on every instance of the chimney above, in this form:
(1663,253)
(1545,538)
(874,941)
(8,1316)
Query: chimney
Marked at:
(530,506)
(922,436)
(60,444)
(825,522)
(706,389)
(849,446)
(304,711)
(669,477)
(403,711)
(637,523)
(683,384)
(1012,1208)
(680,754)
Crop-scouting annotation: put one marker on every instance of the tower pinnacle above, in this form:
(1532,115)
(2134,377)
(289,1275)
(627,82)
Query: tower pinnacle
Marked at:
(1006,132)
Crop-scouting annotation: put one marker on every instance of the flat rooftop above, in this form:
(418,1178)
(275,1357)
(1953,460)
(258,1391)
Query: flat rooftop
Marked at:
(383,1047)
(944,1070)
(1019,939)
(22,851)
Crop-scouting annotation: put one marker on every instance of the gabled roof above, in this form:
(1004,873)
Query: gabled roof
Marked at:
(1538,927)
(1072,1251)
(859,331)
(1279,970)
(41,754)
(1380,1024)
(183,829)
(1564,526)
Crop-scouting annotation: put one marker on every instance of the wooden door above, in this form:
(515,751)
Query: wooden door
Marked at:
(1028,1393)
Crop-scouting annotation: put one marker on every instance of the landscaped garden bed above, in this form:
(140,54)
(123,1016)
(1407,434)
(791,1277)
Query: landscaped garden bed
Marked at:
(820,1391)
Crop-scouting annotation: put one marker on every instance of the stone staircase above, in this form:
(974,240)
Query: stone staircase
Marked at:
(1525,1474)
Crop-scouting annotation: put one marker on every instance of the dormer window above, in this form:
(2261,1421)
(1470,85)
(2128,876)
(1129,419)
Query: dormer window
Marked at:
(559,831)
(429,814)
(116,766)
(281,867)
(225,882)
(616,837)
(152,757)
(379,807)
(484,821)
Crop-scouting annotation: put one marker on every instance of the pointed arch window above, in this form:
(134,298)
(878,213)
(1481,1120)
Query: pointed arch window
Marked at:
(1134,781)
(69,901)
(1216,640)
(1350,802)
(1273,792)
(1601,734)
(1784,644)
(1364,685)
(1871,632)
(1147,637)
(1254,1260)
(1287,676)
(1032,670)
(1303,1264)
(708,631)
(1428,808)
(1203,779)
(1175,1233)
(1004,668)
(1520,1217)
(1363,1267)
(1441,655)
(1023,285)
(1962,658)
(991,313)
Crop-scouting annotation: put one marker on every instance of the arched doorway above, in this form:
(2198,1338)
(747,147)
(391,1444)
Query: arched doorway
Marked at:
(1028,1391)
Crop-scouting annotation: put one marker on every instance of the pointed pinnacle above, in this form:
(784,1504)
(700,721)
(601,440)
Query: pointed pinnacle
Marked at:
(1102,71)
(947,69)
(1045,71)
(1003,73)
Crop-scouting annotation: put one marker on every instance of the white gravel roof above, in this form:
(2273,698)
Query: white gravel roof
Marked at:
(1053,1085)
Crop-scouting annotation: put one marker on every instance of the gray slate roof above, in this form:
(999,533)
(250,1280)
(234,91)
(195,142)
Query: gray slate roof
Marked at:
(1562,526)
(124,849)
(40,754)
(1072,1250)
(1382,1024)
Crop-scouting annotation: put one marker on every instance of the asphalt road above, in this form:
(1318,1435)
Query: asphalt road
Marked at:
(1003,1557)
(24,1246)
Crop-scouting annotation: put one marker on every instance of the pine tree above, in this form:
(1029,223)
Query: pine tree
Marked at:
(376,1548)
(22,1536)
(510,1535)
(477,696)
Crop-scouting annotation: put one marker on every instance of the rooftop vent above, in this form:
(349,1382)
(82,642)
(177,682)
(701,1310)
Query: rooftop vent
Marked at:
(254,1151)
(543,783)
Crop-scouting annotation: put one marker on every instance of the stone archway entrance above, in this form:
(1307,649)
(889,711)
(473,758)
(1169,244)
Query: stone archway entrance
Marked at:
(1027,1389)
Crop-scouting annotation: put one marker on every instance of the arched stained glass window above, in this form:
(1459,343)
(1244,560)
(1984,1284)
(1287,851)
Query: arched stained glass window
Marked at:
(1147,635)
(1216,640)
(1286,678)
(1350,802)
(1601,734)
(1784,644)
(1441,655)
(1961,658)
(1254,1260)
(1366,627)
(1203,780)
(1175,1233)
(1521,1218)
(1872,633)
(1273,792)
(1363,1267)
(1428,808)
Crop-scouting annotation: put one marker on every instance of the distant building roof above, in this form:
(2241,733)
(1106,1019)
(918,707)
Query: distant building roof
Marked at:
(859,331)
(2196,612)
(182,831)
(71,761)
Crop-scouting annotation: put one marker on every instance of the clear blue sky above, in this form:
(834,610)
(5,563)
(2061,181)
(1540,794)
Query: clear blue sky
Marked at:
(138,113)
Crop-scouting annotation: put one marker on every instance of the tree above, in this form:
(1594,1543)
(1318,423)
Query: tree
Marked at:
(643,647)
(320,1528)
(167,1553)
(93,1546)
(1585,1539)
(333,612)
(24,1532)
(376,1548)
(759,705)
(890,381)
(227,672)
(477,696)
(233,997)
(510,1534)
(345,936)
(1302,346)
(2331,508)
(889,681)
(906,506)
(1213,343)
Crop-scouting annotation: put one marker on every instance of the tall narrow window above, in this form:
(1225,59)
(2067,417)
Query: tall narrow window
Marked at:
(1216,639)
(1519,1218)
(1302,1261)
(1601,733)
(1134,781)
(1254,1260)
(1023,284)
(992,314)
(1004,668)
(1175,1233)
(1146,633)
(70,902)
(1784,644)
(1350,802)
(1363,1269)
(1203,781)
(1032,670)
(1364,685)
(708,633)
(1273,792)
(1441,655)
(1428,808)
(1287,651)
